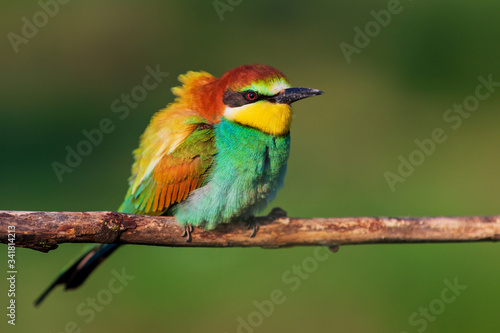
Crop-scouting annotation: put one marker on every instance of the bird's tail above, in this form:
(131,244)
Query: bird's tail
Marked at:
(75,274)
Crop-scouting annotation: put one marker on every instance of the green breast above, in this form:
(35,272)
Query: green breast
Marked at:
(247,173)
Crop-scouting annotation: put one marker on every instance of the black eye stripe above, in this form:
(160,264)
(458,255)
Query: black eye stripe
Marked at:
(234,98)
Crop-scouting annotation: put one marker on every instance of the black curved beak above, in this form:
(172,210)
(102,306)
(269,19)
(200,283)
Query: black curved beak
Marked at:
(291,95)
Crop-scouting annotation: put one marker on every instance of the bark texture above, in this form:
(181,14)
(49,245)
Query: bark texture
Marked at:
(43,231)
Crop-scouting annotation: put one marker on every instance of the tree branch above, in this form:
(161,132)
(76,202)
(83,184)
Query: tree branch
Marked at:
(42,231)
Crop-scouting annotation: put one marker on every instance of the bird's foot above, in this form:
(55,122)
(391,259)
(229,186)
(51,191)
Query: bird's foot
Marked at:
(188,229)
(252,225)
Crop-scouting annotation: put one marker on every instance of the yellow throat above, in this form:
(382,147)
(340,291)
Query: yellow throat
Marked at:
(270,118)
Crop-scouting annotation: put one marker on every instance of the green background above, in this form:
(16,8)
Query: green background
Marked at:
(394,91)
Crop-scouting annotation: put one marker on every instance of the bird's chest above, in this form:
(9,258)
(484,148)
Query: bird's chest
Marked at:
(254,161)
(246,173)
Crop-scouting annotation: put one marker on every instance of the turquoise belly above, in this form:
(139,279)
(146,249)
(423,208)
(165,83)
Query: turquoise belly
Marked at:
(247,173)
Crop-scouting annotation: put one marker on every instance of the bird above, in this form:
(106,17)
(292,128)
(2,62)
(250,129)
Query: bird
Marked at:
(216,154)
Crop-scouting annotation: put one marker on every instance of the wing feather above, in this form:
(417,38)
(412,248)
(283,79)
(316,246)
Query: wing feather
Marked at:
(175,153)
(175,175)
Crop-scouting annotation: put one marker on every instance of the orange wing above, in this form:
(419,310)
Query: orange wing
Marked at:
(175,153)
(175,175)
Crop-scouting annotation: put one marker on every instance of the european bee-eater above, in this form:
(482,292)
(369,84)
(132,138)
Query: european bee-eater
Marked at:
(217,153)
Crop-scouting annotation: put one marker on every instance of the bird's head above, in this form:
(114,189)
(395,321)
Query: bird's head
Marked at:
(259,96)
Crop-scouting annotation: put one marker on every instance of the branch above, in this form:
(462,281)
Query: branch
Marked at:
(43,231)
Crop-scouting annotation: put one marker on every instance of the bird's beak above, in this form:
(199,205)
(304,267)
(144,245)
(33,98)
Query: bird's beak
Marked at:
(291,95)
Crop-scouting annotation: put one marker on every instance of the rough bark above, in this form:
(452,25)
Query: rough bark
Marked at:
(43,231)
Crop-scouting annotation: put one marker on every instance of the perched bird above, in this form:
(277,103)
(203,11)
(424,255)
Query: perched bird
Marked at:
(217,153)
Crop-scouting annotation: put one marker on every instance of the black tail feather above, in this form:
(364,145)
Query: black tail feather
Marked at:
(78,272)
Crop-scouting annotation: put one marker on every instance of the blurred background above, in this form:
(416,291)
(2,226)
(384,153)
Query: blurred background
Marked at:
(391,87)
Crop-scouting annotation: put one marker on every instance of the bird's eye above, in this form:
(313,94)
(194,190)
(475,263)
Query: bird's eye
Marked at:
(251,96)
